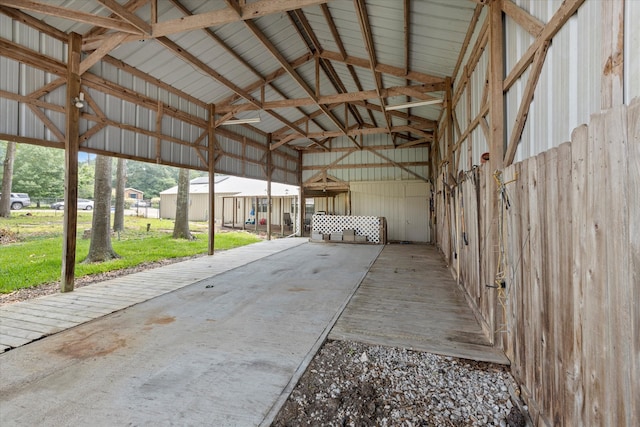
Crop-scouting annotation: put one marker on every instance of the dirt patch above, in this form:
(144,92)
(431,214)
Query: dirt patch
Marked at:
(160,320)
(92,345)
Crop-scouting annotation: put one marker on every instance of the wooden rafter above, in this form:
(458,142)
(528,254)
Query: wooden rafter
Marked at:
(235,55)
(365,30)
(383,68)
(104,49)
(127,16)
(361,131)
(294,74)
(338,40)
(72,15)
(416,90)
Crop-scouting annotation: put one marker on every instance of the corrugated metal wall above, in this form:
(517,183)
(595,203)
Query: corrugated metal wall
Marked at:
(360,165)
(568,89)
(632,50)
(405,204)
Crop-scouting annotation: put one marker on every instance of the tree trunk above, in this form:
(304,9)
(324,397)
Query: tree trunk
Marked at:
(7,178)
(121,176)
(100,248)
(181,227)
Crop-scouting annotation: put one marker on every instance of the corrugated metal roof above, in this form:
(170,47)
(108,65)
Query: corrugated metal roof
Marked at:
(160,75)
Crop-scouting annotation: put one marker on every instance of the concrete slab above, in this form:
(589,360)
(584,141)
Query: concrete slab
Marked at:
(91,302)
(224,351)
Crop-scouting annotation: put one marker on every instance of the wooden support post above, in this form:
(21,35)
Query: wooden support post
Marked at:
(211,163)
(255,217)
(496,159)
(302,200)
(71,147)
(222,214)
(244,213)
(269,170)
(449,121)
(282,216)
(235,212)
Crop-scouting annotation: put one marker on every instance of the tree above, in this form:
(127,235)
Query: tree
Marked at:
(181,226)
(100,248)
(121,176)
(39,171)
(7,177)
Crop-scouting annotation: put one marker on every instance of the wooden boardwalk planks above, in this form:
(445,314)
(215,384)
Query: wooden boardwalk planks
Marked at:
(26,321)
(409,299)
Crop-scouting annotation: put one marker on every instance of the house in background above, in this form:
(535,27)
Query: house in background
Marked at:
(240,202)
(133,194)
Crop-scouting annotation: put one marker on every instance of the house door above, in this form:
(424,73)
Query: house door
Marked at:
(416,219)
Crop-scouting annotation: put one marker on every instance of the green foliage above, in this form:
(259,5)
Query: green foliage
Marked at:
(37,258)
(150,178)
(86,174)
(39,171)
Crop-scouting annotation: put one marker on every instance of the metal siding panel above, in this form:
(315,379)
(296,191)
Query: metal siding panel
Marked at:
(632,47)
(568,89)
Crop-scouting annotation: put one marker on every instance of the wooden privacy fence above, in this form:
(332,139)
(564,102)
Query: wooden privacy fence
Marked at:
(569,250)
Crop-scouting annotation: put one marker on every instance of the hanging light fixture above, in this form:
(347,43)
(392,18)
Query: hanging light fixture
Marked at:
(241,121)
(79,101)
(412,104)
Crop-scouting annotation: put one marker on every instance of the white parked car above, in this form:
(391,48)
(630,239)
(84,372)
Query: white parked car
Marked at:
(83,204)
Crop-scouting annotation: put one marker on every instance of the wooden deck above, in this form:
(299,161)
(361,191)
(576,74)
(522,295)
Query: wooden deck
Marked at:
(409,299)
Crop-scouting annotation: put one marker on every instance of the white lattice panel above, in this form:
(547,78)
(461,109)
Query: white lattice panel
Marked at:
(363,225)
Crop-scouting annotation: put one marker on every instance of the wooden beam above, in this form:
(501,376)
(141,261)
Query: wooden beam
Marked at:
(71,145)
(338,40)
(467,39)
(130,17)
(34,23)
(564,12)
(72,15)
(415,90)
(110,44)
(269,173)
(361,131)
(496,96)
(227,16)
(527,21)
(211,128)
(365,30)
(612,80)
(294,75)
(382,68)
(525,104)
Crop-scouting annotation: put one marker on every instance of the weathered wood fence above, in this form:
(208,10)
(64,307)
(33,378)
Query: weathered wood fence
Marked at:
(568,252)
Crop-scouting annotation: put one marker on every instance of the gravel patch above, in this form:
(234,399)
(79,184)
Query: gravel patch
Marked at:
(354,384)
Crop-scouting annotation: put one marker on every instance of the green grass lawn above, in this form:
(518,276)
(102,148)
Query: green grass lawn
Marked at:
(36,258)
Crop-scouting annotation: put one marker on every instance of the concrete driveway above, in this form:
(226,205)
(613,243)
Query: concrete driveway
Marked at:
(221,352)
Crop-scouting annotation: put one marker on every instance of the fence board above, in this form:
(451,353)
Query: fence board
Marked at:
(615,160)
(633,272)
(564,304)
(579,163)
(571,237)
(551,284)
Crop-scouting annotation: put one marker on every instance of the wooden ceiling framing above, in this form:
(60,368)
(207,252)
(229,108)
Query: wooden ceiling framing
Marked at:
(346,107)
